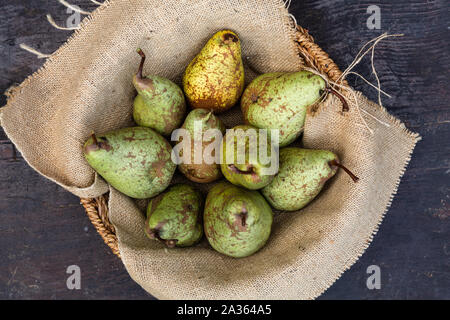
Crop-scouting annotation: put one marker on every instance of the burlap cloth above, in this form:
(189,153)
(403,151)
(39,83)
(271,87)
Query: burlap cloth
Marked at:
(87,85)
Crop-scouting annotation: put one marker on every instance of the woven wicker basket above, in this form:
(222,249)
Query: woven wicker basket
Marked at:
(97,208)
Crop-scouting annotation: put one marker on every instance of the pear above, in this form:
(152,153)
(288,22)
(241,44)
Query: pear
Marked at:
(136,161)
(237,163)
(202,172)
(237,221)
(215,77)
(174,217)
(160,103)
(302,175)
(280,101)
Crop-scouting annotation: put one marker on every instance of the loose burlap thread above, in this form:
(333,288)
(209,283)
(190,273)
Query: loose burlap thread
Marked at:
(86,86)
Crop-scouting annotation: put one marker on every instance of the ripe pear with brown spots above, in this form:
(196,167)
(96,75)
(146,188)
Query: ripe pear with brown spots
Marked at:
(301,177)
(174,217)
(203,143)
(214,79)
(280,100)
(160,103)
(136,161)
(237,221)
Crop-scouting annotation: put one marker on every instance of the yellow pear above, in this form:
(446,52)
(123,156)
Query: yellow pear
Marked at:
(214,79)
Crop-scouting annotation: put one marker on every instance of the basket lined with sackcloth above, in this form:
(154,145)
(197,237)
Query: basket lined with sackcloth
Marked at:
(86,86)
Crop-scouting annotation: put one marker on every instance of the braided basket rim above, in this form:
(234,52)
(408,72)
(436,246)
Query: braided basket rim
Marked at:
(97,208)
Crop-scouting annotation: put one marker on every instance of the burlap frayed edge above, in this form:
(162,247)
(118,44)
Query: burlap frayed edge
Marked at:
(364,245)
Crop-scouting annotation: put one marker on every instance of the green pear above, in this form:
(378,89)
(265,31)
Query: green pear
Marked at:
(214,79)
(280,101)
(136,161)
(202,172)
(237,163)
(174,217)
(160,103)
(237,221)
(302,175)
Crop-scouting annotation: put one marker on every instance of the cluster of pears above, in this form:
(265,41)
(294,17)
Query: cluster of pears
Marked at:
(137,160)
(237,215)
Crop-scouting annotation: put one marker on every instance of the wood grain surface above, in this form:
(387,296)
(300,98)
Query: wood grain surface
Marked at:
(43,229)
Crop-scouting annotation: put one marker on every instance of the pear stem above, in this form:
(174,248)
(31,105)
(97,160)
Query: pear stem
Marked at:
(235,169)
(94,138)
(208,116)
(337,164)
(141,66)
(345,107)
(169,243)
(244,217)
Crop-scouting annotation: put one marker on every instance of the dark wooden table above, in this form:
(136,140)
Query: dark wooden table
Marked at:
(44,229)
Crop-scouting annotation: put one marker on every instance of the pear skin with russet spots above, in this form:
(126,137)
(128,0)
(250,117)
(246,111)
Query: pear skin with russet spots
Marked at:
(214,79)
